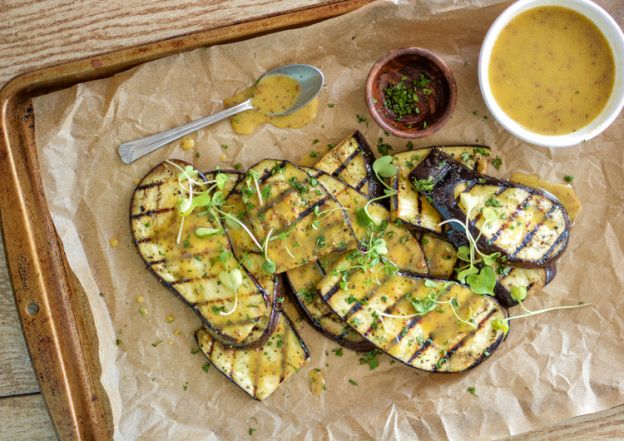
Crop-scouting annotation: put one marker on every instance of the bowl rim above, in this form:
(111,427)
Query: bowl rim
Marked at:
(373,77)
(614,36)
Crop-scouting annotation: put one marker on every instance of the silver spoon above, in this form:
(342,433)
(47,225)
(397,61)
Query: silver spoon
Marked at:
(310,80)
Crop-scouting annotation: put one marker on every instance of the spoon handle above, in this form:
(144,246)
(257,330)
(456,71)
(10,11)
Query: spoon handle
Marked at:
(133,150)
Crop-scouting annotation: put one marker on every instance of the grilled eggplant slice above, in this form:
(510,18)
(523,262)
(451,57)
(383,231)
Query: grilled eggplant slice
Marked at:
(414,209)
(351,161)
(415,319)
(403,248)
(531,279)
(303,281)
(441,256)
(282,206)
(191,269)
(258,372)
(529,227)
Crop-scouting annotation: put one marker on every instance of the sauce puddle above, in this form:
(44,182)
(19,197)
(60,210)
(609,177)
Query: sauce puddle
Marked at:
(564,192)
(316,382)
(272,94)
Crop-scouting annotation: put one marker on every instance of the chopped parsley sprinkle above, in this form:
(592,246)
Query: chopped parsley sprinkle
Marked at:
(568,178)
(472,390)
(353,382)
(493,202)
(338,352)
(371,358)
(497,162)
(382,147)
(331,105)
(251,431)
(206,367)
(362,119)
(424,184)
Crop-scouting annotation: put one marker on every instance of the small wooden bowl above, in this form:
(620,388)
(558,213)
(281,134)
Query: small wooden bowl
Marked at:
(435,108)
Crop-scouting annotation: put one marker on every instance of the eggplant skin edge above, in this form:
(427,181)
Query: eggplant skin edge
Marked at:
(304,347)
(438,166)
(363,346)
(375,188)
(207,325)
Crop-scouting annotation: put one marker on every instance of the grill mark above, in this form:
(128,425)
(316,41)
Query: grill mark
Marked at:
(345,163)
(266,175)
(529,236)
(401,335)
(329,294)
(362,183)
(420,350)
(212,345)
(498,192)
(276,200)
(249,294)
(303,215)
(554,245)
(191,279)
(150,185)
(156,262)
(151,212)
(419,209)
(143,240)
(355,308)
(314,173)
(182,258)
(448,353)
(284,354)
(320,267)
(509,220)
(463,341)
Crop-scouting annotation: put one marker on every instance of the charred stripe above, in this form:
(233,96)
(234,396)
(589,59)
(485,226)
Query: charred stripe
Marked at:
(529,236)
(345,162)
(152,212)
(509,220)
(143,187)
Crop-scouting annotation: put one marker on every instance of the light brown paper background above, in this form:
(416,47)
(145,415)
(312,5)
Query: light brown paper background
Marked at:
(551,367)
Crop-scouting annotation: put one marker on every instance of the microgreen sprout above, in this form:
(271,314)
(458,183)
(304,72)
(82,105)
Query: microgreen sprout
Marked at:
(253,174)
(268,265)
(383,168)
(232,280)
(187,204)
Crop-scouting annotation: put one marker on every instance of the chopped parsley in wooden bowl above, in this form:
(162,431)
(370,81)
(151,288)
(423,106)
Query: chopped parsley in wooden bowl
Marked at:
(411,92)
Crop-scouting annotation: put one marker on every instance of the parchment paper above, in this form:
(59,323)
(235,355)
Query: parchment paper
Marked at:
(551,367)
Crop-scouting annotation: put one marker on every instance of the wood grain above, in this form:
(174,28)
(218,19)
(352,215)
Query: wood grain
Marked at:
(41,33)
(37,34)
(25,418)
(16,373)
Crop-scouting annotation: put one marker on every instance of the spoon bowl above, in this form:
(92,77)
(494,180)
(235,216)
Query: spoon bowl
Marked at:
(310,81)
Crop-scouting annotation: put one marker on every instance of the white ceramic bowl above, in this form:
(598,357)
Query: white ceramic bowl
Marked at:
(614,36)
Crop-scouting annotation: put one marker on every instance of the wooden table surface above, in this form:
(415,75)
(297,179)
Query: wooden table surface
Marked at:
(36,34)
